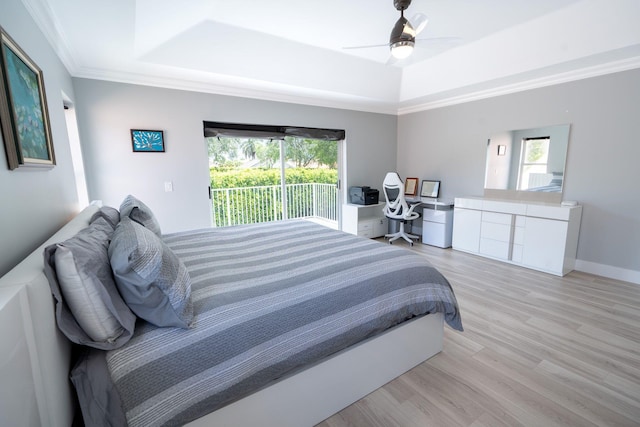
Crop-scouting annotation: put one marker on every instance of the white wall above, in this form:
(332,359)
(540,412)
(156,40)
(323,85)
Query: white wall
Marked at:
(602,163)
(107,111)
(34,203)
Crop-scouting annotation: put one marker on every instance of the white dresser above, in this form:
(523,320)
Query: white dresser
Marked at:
(541,236)
(364,220)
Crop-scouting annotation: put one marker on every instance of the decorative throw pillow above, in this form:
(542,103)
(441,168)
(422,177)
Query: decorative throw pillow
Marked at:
(111,215)
(89,309)
(152,280)
(140,213)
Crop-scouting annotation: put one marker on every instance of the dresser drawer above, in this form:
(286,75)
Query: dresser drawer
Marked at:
(549,212)
(373,227)
(366,233)
(494,248)
(499,232)
(365,225)
(436,216)
(505,207)
(468,203)
(497,218)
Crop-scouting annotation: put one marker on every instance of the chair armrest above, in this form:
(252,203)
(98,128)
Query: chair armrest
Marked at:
(410,211)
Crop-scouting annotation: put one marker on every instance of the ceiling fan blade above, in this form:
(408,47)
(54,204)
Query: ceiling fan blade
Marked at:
(366,47)
(419,22)
(392,60)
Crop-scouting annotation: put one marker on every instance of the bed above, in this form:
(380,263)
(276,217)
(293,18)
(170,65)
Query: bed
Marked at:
(545,182)
(287,324)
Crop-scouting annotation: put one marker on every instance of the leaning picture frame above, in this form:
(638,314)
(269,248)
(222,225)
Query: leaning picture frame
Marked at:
(411,186)
(24,116)
(147,141)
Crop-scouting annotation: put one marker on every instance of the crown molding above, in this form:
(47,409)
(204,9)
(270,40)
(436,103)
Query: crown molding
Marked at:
(45,19)
(574,75)
(311,97)
(48,23)
(245,88)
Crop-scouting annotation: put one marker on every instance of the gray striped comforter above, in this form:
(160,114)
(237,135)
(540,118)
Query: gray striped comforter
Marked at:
(269,299)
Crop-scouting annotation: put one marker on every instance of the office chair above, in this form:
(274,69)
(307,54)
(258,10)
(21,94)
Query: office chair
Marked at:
(396,207)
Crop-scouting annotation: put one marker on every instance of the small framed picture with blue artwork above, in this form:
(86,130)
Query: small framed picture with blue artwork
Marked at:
(147,141)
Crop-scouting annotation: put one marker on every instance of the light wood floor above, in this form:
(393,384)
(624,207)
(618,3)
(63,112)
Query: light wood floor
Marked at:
(537,350)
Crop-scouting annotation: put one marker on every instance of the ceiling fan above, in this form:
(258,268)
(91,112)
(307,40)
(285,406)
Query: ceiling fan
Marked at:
(403,35)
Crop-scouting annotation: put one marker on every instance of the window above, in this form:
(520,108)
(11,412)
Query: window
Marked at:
(533,163)
(76,153)
(258,180)
(266,173)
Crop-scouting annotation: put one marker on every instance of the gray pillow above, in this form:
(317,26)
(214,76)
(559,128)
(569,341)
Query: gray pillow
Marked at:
(89,309)
(111,215)
(152,280)
(140,213)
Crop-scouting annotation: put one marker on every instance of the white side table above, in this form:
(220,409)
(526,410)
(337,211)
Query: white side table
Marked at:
(364,220)
(437,224)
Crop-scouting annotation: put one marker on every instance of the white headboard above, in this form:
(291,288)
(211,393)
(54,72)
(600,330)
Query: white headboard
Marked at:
(35,357)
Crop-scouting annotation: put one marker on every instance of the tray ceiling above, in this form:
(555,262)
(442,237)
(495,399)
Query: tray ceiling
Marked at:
(294,51)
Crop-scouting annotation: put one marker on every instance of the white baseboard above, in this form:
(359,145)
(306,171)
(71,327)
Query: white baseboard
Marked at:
(609,271)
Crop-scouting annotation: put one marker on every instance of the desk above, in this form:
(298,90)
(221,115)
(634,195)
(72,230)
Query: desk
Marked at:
(437,221)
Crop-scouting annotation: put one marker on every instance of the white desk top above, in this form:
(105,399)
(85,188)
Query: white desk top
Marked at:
(429,201)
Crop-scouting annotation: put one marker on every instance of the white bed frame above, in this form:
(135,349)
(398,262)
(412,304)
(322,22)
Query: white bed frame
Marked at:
(35,358)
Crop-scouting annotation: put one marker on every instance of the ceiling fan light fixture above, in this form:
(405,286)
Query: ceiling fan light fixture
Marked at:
(402,30)
(402,49)
(408,31)
(402,38)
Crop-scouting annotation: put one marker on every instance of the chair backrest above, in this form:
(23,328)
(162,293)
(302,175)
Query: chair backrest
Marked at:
(396,205)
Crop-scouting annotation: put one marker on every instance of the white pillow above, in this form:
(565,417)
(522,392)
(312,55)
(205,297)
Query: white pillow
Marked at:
(89,308)
(83,298)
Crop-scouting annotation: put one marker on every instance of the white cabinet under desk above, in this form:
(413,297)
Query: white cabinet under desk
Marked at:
(364,220)
(437,224)
(541,236)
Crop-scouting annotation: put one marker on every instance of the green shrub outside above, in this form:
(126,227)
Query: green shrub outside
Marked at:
(257,177)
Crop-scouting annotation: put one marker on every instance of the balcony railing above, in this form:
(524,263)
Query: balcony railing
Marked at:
(249,205)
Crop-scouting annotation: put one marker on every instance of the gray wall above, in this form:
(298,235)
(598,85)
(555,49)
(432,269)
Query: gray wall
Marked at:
(602,164)
(34,203)
(107,111)
(446,143)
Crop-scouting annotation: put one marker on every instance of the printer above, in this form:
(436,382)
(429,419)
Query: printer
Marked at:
(363,195)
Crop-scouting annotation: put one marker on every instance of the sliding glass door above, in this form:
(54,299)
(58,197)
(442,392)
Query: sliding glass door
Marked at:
(257,180)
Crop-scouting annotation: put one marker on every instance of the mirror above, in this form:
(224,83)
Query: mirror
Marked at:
(530,160)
